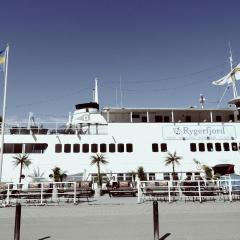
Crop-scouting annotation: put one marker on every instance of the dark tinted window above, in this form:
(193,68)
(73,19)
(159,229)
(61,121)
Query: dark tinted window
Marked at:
(218,118)
(188,118)
(234,146)
(226,146)
(76,148)
(58,148)
(166,119)
(17,148)
(120,147)
(201,147)
(163,147)
(94,148)
(112,147)
(231,117)
(129,147)
(103,147)
(193,147)
(210,147)
(155,147)
(144,119)
(158,119)
(85,148)
(218,147)
(135,116)
(67,148)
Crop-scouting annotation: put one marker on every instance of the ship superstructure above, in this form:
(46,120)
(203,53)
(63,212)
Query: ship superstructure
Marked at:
(129,138)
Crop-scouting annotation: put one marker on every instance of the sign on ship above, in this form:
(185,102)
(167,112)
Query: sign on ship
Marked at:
(188,132)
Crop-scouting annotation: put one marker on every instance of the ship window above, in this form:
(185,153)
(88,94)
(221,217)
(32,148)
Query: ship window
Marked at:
(151,176)
(188,118)
(226,146)
(166,119)
(218,118)
(234,146)
(121,147)
(67,148)
(158,118)
(94,148)
(85,148)
(112,147)
(218,147)
(58,148)
(144,119)
(12,148)
(193,147)
(76,148)
(155,147)
(201,147)
(209,147)
(129,147)
(35,147)
(231,117)
(17,148)
(135,116)
(120,177)
(163,147)
(103,147)
(128,177)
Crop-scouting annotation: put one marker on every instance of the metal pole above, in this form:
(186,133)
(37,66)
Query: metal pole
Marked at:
(155,221)
(17,222)
(4,110)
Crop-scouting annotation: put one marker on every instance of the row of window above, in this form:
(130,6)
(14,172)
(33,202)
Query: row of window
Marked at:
(162,147)
(94,148)
(210,147)
(29,147)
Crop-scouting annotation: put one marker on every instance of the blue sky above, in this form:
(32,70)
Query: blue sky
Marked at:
(165,52)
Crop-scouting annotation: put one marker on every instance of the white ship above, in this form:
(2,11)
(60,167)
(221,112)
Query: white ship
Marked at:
(128,138)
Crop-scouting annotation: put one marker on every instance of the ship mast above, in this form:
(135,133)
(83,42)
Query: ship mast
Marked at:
(235,94)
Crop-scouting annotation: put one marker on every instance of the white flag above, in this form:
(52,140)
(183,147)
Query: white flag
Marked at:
(229,77)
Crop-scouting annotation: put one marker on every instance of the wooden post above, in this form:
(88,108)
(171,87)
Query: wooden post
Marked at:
(155,221)
(17,222)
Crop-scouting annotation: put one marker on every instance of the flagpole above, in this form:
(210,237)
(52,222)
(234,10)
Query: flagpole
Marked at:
(4,109)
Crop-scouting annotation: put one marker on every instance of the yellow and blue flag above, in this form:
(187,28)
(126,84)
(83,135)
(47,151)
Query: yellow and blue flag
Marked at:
(2,60)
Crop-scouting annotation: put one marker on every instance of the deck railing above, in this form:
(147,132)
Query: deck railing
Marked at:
(55,128)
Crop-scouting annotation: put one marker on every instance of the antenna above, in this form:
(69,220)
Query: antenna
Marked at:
(121,93)
(230,57)
(96,91)
(116,92)
(202,100)
(235,94)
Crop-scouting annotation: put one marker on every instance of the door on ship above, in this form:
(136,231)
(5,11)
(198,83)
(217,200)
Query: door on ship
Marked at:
(223,169)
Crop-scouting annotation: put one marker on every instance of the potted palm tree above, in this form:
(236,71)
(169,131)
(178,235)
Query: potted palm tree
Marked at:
(172,159)
(23,161)
(98,159)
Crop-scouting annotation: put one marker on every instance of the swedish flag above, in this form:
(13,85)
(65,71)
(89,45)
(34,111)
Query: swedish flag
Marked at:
(2,59)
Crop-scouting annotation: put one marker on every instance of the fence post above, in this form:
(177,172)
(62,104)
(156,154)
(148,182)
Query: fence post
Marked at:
(139,191)
(169,191)
(17,222)
(8,194)
(199,192)
(155,220)
(230,189)
(41,194)
(75,191)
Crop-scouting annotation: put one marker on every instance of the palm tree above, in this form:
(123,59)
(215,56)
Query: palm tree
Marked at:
(141,173)
(23,161)
(172,159)
(58,174)
(36,175)
(98,159)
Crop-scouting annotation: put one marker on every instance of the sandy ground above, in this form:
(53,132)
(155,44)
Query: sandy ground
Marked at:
(123,218)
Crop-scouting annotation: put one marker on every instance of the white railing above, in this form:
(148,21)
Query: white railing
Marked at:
(198,190)
(44,192)
(55,128)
